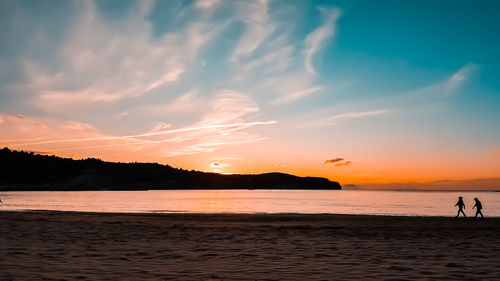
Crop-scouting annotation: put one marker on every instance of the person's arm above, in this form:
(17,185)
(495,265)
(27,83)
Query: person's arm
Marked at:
(474,206)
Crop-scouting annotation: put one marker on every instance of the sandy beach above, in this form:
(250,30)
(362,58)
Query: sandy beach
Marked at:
(107,246)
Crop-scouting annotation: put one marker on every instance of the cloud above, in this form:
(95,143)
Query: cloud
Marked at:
(206,4)
(338,162)
(78,126)
(317,39)
(333,160)
(122,114)
(255,15)
(275,61)
(332,120)
(137,71)
(120,61)
(128,60)
(84,139)
(159,127)
(346,163)
(230,106)
(286,88)
(459,78)
(444,88)
(225,123)
(274,70)
(218,165)
(293,96)
(437,92)
(22,129)
(188,102)
(148,134)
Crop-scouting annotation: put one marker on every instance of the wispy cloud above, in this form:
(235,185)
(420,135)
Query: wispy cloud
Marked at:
(206,4)
(122,114)
(271,64)
(129,60)
(191,101)
(164,132)
(159,127)
(184,141)
(276,61)
(332,120)
(316,40)
(255,15)
(459,78)
(22,129)
(287,88)
(444,88)
(230,106)
(121,61)
(293,96)
(225,123)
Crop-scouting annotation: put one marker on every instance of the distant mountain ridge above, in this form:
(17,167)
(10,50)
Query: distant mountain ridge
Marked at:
(21,170)
(484,184)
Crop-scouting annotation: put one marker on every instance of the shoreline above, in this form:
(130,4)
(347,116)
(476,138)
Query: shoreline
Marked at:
(258,214)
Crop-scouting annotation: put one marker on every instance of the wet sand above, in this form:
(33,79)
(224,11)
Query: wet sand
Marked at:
(100,246)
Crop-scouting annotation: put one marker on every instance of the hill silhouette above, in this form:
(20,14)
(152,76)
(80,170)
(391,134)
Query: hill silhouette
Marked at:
(21,170)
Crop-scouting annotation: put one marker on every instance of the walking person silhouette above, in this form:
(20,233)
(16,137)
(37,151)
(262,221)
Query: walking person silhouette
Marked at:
(478,207)
(461,206)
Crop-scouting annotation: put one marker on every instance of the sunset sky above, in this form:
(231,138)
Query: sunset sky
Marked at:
(355,91)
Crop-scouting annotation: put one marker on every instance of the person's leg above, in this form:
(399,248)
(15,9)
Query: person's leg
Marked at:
(481,213)
(463,213)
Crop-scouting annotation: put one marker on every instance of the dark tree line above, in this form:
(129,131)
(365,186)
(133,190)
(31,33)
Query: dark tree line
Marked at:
(21,170)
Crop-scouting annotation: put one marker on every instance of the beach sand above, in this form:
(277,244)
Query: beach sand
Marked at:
(104,246)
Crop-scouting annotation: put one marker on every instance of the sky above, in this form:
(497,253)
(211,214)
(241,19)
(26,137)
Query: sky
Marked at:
(361,92)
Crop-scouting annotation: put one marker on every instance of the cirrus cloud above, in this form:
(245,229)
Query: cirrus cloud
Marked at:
(316,40)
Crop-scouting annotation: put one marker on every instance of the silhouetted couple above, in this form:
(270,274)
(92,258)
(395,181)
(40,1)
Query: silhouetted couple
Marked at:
(461,207)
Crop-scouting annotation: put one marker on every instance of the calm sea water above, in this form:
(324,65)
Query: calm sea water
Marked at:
(407,203)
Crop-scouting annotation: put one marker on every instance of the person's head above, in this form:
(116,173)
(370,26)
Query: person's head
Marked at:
(460,197)
(475,199)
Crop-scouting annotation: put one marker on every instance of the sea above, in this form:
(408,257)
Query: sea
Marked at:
(355,202)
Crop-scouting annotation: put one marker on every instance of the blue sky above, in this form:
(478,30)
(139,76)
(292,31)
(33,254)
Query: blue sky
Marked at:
(400,90)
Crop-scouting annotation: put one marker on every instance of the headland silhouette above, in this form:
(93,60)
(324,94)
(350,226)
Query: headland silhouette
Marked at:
(21,170)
